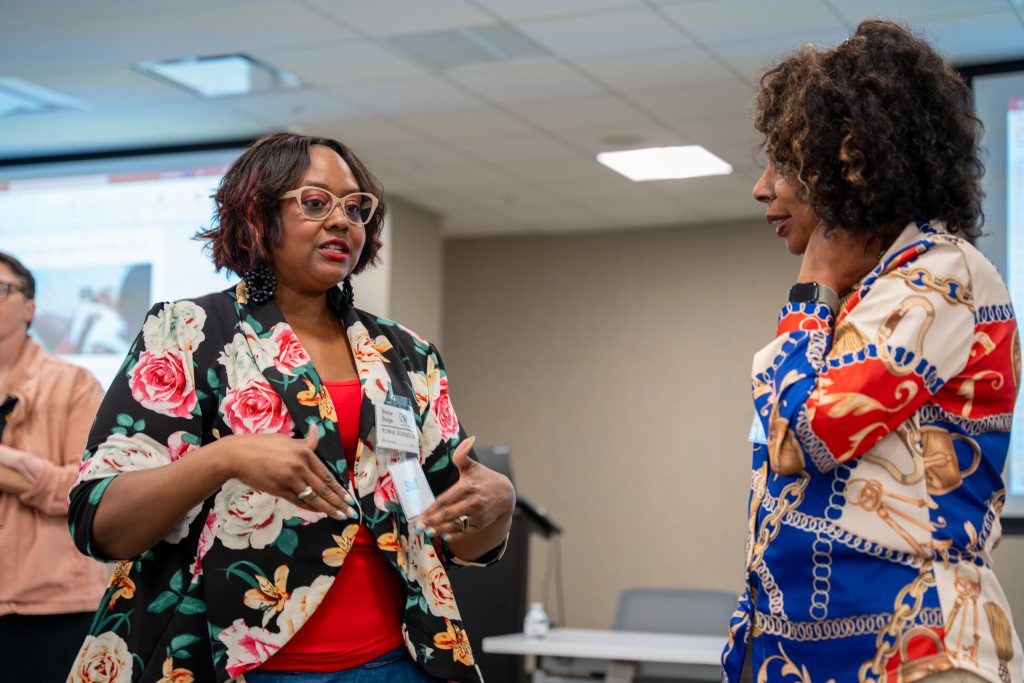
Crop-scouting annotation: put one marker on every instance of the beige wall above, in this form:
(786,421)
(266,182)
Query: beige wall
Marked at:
(406,284)
(416,264)
(616,367)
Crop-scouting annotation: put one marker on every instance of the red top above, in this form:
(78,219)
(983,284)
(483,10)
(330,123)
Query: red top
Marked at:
(360,617)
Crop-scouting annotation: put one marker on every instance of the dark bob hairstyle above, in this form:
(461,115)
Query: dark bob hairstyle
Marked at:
(246,222)
(875,133)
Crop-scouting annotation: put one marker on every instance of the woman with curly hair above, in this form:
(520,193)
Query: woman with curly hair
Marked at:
(884,404)
(249,465)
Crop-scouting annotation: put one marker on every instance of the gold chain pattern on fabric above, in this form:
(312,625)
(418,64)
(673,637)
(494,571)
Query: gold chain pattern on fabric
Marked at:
(888,639)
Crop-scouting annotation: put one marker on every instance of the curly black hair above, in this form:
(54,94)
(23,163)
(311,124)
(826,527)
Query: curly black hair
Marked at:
(876,132)
(246,219)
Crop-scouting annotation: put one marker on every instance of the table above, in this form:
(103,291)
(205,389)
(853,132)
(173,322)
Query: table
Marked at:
(622,656)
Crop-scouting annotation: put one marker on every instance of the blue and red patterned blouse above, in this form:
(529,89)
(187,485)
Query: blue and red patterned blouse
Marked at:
(875,500)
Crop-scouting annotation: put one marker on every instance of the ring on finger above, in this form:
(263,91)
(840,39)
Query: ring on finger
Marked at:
(464,521)
(305,493)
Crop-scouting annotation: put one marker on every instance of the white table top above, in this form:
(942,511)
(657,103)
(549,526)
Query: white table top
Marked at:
(630,646)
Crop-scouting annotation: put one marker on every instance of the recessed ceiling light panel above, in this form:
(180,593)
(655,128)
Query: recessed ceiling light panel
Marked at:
(221,76)
(665,163)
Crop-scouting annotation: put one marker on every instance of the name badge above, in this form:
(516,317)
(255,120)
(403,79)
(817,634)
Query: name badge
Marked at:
(396,429)
(414,492)
(757,434)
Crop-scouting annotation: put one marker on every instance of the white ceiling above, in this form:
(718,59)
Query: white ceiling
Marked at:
(495,148)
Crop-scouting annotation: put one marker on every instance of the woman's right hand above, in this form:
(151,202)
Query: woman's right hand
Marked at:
(285,467)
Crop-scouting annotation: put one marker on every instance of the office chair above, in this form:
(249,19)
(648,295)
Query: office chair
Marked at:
(677,610)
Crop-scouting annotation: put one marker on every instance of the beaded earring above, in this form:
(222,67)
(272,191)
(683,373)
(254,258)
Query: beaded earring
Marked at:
(260,283)
(347,291)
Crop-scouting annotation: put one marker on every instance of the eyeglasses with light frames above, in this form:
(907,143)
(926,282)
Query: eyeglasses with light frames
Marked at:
(316,204)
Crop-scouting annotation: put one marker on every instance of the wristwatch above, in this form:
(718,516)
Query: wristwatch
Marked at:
(814,292)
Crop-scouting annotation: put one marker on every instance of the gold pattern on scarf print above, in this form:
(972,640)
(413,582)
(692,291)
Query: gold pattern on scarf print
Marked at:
(966,390)
(844,403)
(892,321)
(784,455)
(967,581)
(942,468)
(1002,636)
(871,496)
(847,338)
(952,289)
(909,433)
(906,607)
(788,671)
(916,669)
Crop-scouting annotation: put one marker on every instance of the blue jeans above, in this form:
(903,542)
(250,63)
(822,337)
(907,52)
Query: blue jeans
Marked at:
(395,666)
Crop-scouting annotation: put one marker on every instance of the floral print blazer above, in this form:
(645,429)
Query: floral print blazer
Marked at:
(876,494)
(239,574)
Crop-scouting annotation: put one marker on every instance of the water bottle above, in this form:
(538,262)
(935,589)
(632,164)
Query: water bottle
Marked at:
(536,624)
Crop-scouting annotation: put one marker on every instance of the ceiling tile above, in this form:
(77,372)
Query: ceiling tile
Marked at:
(180,7)
(545,9)
(634,134)
(122,42)
(30,14)
(855,12)
(581,111)
(534,147)
(408,96)
(30,51)
(735,127)
(364,133)
(679,67)
(112,88)
(540,79)
(610,33)
(957,38)
(732,21)
(475,123)
(415,156)
(344,63)
(392,17)
(208,120)
(679,105)
(265,26)
(291,109)
(555,173)
(751,57)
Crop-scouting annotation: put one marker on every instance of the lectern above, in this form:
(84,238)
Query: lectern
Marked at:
(492,600)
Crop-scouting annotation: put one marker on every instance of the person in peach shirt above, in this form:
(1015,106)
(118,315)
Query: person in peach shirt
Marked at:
(48,590)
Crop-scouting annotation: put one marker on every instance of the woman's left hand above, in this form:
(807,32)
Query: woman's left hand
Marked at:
(474,514)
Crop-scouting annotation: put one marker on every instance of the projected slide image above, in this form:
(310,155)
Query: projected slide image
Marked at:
(95,310)
(1015,248)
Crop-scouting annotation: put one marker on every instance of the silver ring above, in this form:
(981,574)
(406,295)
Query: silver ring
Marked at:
(464,519)
(305,493)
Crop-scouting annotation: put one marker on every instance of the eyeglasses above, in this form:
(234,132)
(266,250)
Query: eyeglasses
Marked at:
(316,204)
(7,287)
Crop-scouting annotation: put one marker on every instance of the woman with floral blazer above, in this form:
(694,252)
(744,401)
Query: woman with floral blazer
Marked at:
(215,460)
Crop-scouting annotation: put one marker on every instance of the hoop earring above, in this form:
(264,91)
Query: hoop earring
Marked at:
(260,283)
(347,291)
